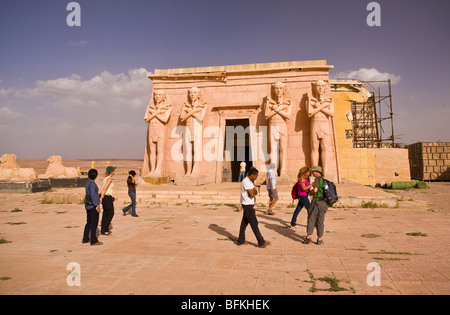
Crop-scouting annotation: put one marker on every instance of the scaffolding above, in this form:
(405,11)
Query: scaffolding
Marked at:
(374,118)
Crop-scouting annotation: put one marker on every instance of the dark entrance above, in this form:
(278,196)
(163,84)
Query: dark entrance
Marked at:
(237,148)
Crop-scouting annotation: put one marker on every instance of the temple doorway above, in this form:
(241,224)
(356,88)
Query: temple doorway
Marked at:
(236,148)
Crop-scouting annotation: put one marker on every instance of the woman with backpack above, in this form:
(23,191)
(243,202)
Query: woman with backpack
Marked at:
(318,208)
(300,192)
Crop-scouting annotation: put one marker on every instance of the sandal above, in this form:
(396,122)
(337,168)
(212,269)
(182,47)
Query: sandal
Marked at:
(319,242)
(306,241)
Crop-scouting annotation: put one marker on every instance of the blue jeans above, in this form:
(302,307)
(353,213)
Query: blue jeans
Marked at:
(303,201)
(241,176)
(132,205)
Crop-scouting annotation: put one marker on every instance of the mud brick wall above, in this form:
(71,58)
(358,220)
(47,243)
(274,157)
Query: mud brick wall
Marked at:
(430,160)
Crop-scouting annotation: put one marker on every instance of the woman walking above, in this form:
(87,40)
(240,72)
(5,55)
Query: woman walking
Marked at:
(107,201)
(302,194)
(318,208)
(92,206)
(131,183)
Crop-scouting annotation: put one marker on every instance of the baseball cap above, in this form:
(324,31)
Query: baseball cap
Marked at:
(109,169)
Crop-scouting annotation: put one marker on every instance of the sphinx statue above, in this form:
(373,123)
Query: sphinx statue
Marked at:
(11,172)
(56,169)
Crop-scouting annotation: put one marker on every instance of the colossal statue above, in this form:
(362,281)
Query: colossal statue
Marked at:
(277,112)
(157,115)
(320,110)
(193,113)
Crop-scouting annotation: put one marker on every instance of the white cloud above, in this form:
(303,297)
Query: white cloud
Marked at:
(365,74)
(5,92)
(96,117)
(131,90)
(79,43)
(7,113)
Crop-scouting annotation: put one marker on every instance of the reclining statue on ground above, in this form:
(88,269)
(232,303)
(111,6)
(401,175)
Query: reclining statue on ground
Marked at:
(56,169)
(11,172)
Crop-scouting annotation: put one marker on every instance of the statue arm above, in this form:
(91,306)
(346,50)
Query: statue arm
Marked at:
(199,112)
(186,112)
(285,111)
(149,115)
(269,112)
(312,111)
(330,110)
(164,118)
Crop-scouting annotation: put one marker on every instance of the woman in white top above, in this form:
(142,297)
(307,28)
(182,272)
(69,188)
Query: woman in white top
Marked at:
(107,201)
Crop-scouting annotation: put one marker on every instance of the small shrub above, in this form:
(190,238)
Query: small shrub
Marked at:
(417,234)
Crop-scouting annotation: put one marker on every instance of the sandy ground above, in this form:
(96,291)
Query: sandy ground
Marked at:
(436,198)
(189,249)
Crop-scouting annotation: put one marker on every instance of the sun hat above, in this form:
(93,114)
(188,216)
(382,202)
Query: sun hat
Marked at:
(109,169)
(317,169)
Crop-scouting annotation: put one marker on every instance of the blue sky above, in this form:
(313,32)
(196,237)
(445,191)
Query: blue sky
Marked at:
(82,91)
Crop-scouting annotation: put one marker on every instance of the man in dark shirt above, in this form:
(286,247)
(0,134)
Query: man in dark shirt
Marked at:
(92,206)
(131,183)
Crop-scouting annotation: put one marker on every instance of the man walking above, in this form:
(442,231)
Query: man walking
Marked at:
(248,193)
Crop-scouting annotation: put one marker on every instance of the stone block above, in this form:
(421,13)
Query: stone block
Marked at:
(156,180)
(25,187)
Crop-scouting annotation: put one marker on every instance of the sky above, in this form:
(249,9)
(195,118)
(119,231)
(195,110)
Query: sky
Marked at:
(82,91)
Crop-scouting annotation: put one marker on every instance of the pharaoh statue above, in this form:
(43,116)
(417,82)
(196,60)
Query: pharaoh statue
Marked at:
(193,113)
(277,112)
(320,109)
(157,115)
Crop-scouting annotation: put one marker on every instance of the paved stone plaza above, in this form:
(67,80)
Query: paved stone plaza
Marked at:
(188,249)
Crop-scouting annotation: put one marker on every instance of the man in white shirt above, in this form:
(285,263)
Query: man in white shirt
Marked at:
(248,193)
(272,188)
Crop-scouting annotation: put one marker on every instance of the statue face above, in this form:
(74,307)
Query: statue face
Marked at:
(194,95)
(321,88)
(159,96)
(278,91)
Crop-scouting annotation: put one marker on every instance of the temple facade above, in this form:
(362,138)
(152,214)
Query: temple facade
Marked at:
(204,122)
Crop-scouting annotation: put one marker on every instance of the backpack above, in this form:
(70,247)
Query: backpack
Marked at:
(294,191)
(329,192)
